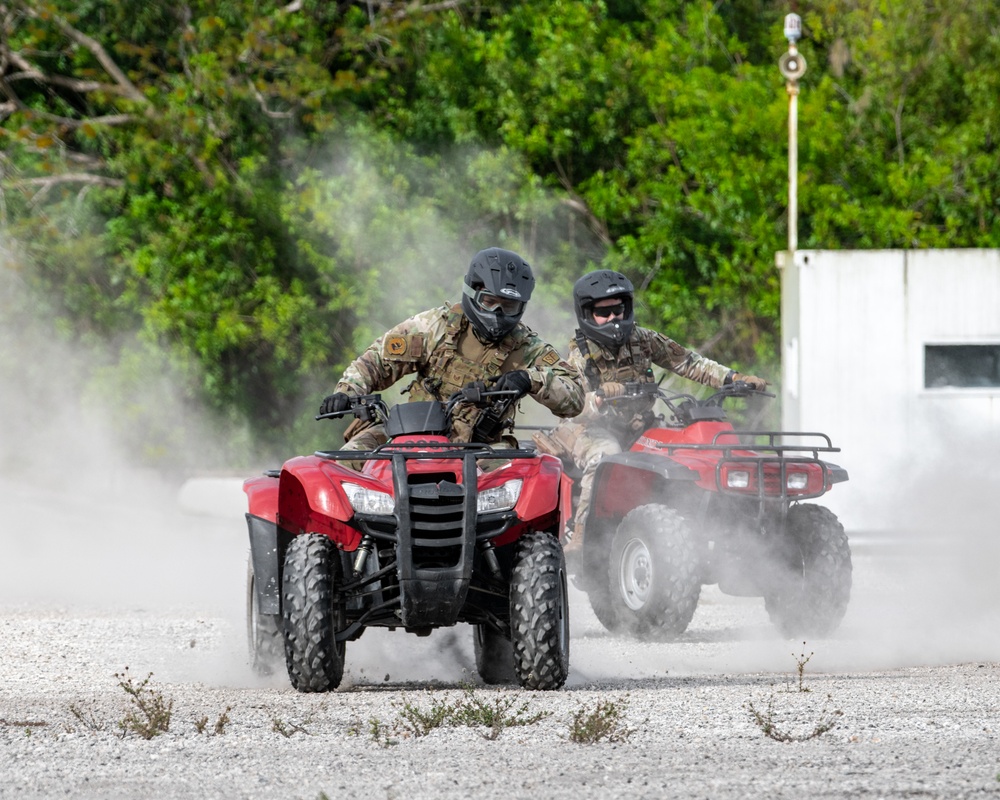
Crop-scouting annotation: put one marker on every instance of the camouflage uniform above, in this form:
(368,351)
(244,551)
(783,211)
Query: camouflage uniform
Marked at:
(440,346)
(610,428)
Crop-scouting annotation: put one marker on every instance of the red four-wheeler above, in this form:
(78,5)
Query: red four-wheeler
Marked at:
(416,535)
(696,502)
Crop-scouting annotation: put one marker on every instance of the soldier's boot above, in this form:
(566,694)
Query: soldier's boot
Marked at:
(573,546)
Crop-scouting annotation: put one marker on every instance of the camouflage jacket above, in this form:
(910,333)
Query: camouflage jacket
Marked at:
(440,347)
(633,362)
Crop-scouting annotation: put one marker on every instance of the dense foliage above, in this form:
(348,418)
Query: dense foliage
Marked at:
(259,188)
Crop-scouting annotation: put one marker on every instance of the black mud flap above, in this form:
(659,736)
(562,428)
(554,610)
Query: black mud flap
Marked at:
(266,553)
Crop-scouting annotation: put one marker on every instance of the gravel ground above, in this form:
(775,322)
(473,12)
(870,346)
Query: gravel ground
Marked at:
(910,683)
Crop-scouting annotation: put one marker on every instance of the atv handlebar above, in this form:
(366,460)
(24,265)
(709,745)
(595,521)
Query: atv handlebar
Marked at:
(369,407)
(682,404)
(372,408)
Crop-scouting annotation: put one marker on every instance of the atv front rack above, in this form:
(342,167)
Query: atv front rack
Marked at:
(422,449)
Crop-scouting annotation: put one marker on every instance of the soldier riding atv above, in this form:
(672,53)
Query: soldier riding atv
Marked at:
(418,535)
(695,502)
(421,538)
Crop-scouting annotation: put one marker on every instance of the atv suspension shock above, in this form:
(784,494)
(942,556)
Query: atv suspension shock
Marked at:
(490,557)
(364,550)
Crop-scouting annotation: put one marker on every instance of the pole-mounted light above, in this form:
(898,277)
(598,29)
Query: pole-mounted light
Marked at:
(793,66)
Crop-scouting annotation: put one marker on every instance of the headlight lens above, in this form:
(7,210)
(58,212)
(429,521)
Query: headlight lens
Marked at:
(737,479)
(368,501)
(797,480)
(499,498)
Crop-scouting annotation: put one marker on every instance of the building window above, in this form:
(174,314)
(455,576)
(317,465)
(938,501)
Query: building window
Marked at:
(971,366)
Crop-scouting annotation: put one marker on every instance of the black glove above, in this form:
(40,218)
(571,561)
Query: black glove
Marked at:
(519,380)
(334,403)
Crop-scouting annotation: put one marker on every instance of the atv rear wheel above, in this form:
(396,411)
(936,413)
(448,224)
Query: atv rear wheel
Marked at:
(810,593)
(264,639)
(313,611)
(539,612)
(494,656)
(655,575)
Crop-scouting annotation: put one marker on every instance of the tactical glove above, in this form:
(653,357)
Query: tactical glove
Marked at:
(334,403)
(519,380)
(611,389)
(752,381)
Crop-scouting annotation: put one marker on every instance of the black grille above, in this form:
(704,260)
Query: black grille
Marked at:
(436,515)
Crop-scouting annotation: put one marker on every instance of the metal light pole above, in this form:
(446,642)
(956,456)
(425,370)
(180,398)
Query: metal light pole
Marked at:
(793,67)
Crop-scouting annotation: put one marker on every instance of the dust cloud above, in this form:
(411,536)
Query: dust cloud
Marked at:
(86,529)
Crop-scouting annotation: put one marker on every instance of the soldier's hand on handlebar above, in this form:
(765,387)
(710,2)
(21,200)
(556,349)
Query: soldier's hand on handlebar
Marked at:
(473,392)
(519,381)
(610,389)
(755,383)
(335,403)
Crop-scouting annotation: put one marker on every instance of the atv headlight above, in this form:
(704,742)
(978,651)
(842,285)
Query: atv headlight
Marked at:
(737,479)
(368,501)
(797,480)
(499,498)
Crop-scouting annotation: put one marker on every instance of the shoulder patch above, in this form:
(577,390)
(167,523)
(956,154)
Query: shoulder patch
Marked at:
(551,357)
(403,347)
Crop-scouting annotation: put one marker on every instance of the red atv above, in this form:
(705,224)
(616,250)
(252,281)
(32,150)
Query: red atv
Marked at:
(695,501)
(419,536)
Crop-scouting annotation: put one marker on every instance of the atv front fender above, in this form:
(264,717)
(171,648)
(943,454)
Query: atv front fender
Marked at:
(627,480)
(542,490)
(311,500)
(262,496)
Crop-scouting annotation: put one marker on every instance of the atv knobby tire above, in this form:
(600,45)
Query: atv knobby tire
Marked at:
(494,656)
(811,591)
(264,638)
(595,582)
(654,573)
(539,612)
(312,611)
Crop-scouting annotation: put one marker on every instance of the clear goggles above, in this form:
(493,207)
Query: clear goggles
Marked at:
(488,301)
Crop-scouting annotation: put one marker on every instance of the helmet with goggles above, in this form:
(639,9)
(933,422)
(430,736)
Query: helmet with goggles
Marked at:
(603,304)
(495,291)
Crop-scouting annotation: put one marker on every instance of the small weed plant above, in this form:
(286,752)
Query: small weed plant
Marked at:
(605,722)
(87,718)
(150,711)
(767,718)
(800,664)
(201,724)
(470,711)
(289,729)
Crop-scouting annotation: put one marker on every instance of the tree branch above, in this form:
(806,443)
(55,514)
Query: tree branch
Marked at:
(67,177)
(126,87)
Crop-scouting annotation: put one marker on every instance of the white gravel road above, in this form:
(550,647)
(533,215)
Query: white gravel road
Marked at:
(910,681)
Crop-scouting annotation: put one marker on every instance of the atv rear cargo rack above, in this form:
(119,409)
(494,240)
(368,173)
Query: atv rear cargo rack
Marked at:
(764,480)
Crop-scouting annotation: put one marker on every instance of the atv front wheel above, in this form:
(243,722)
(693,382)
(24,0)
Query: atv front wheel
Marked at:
(539,612)
(812,585)
(312,612)
(264,639)
(655,574)
(494,656)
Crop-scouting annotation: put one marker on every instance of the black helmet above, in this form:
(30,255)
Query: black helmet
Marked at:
(496,288)
(599,285)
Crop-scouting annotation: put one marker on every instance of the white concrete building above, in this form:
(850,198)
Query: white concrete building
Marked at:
(896,355)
